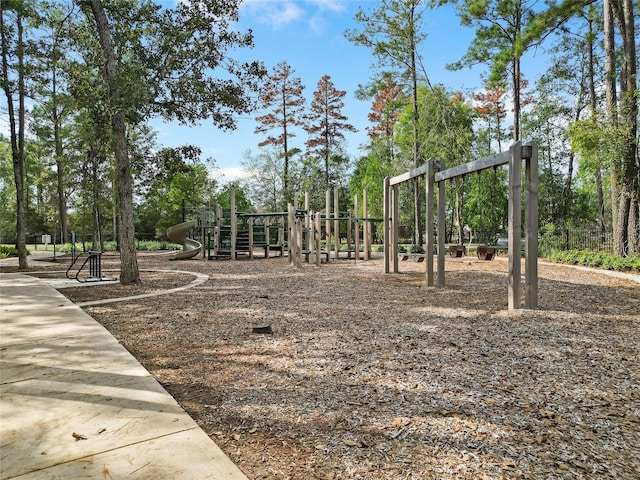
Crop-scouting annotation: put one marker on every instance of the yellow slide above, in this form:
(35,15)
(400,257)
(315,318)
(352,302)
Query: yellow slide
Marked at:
(178,234)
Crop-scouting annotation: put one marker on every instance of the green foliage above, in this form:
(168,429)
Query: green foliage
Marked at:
(8,251)
(607,261)
(445,129)
(154,246)
(599,145)
(142,245)
(68,247)
(265,185)
(223,198)
(368,175)
(416,249)
(171,176)
(392,31)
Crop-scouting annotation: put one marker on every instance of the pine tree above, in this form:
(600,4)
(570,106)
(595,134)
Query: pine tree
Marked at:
(392,31)
(326,122)
(282,98)
(385,109)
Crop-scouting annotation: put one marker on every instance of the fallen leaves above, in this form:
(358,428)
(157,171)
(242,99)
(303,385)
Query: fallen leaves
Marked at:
(370,376)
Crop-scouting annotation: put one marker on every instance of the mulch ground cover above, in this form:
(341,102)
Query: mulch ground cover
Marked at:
(374,376)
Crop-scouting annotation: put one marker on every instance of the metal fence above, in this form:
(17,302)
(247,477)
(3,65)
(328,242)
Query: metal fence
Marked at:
(556,239)
(576,239)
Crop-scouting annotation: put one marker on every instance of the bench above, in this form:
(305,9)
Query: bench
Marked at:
(457,251)
(503,244)
(306,254)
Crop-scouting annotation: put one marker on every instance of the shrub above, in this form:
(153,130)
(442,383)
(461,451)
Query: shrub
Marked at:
(7,251)
(417,249)
(607,261)
(66,247)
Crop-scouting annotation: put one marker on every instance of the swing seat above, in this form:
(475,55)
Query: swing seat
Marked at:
(457,251)
(486,252)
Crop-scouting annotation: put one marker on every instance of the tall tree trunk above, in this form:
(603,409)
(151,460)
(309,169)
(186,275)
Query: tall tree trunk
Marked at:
(516,77)
(515,81)
(285,179)
(417,197)
(60,166)
(17,132)
(628,171)
(129,273)
(97,241)
(612,101)
(594,117)
(602,226)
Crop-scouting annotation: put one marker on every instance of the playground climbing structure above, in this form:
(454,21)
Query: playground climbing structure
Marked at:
(298,232)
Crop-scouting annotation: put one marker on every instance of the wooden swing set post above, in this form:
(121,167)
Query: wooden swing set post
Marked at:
(429,222)
(366,227)
(435,172)
(442,199)
(317,235)
(234,224)
(356,245)
(515,225)
(336,224)
(327,227)
(395,212)
(386,225)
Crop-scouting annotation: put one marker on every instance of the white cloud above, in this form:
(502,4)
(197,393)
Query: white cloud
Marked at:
(277,14)
(280,13)
(330,5)
(230,174)
(213,151)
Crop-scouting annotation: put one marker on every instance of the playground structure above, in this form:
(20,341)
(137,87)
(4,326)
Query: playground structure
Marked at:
(435,173)
(229,234)
(178,234)
(306,231)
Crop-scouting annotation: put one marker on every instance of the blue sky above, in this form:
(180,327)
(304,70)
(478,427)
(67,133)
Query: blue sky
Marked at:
(309,36)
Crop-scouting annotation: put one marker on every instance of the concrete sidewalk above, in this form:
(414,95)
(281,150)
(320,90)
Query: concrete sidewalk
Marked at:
(75,404)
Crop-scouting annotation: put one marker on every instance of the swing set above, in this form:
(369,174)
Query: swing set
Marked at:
(435,173)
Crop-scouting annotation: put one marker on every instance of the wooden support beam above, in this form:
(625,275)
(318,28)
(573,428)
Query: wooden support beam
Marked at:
(356,211)
(250,222)
(515,224)
(395,209)
(442,198)
(386,193)
(416,172)
(475,166)
(318,231)
(429,185)
(366,227)
(530,152)
(234,224)
(327,227)
(336,223)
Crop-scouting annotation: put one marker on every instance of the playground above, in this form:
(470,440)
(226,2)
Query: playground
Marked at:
(368,375)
